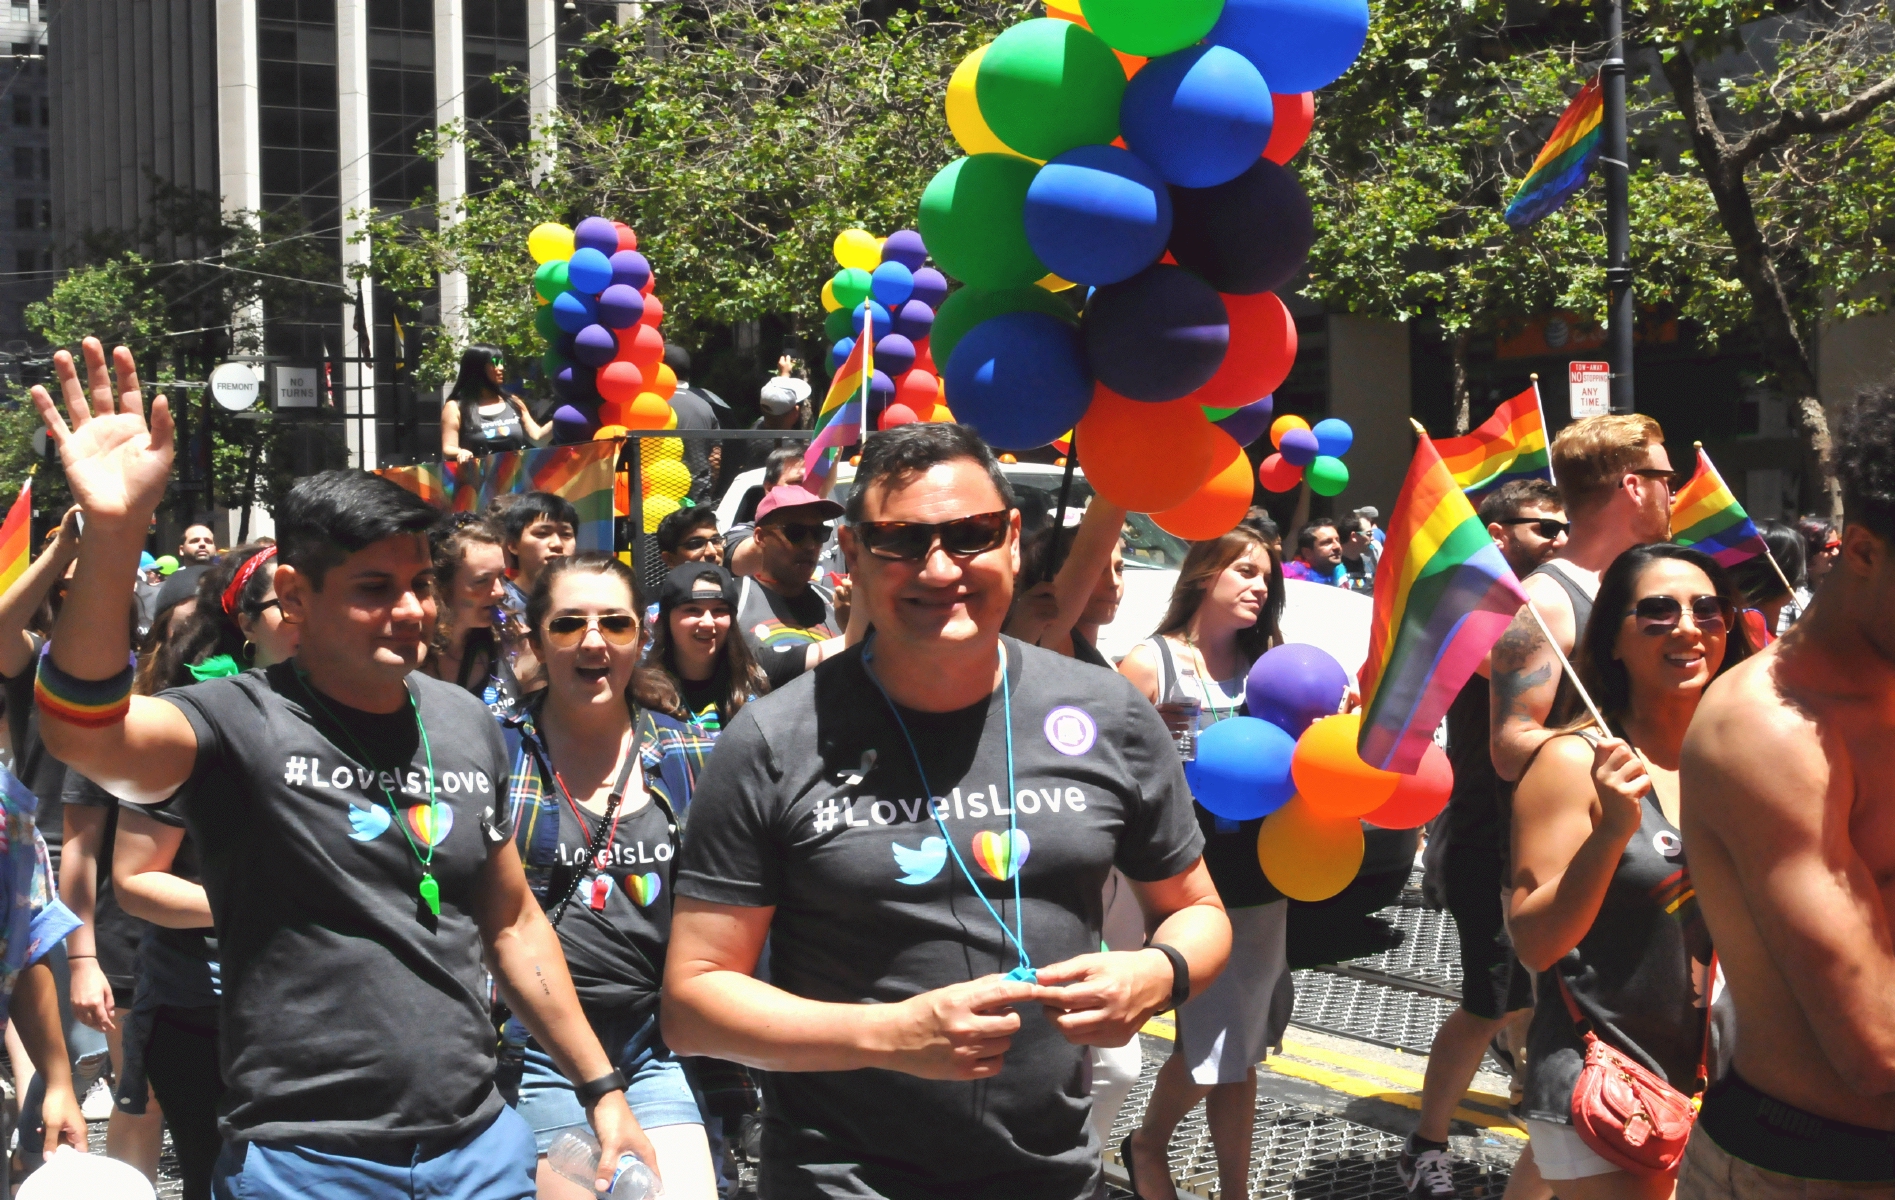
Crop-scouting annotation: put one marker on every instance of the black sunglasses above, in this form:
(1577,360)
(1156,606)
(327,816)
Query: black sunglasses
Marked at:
(794,532)
(1671,479)
(695,544)
(1546,527)
(618,629)
(1658,615)
(913,541)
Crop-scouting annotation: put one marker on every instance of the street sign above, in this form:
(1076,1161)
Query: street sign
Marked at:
(1590,387)
(234,386)
(296,387)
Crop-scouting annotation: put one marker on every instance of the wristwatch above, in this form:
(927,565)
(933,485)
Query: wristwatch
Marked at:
(1180,974)
(591,1093)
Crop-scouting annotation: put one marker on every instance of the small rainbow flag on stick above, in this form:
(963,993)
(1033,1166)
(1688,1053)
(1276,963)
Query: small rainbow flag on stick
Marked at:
(1705,516)
(1565,161)
(16,538)
(1507,446)
(1444,597)
(843,419)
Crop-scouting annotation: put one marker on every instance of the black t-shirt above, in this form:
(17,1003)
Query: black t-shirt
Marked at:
(872,909)
(615,929)
(43,774)
(352,1019)
(1478,826)
(777,625)
(115,931)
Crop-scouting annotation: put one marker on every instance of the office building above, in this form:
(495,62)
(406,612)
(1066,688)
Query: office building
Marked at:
(26,209)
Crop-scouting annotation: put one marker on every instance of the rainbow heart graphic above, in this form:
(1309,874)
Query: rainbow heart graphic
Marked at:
(644,888)
(430,823)
(1002,854)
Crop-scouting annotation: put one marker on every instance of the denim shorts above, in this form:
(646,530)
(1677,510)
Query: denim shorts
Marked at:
(658,1092)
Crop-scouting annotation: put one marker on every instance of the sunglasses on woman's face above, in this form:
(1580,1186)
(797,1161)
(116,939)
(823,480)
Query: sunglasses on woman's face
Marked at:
(618,629)
(1658,615)
(913,541)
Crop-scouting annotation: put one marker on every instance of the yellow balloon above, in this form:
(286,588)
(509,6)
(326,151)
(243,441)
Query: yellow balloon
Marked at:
(669,477)
(672,423)
(963,111)
(1054,283)
(858,248)
(1067,6)
(1306,855)
(540,301)
(829,301)
(657,508)
(667,449)
(549,242)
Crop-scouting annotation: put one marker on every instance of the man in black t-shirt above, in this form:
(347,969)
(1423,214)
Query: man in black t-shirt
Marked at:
(780,607)
(922,827)
(355,846)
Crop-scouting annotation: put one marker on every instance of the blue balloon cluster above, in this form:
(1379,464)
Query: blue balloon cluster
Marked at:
(897,298)
(1242,770)
(594,284)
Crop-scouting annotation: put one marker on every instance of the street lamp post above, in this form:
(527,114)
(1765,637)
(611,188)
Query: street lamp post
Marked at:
(1621,311)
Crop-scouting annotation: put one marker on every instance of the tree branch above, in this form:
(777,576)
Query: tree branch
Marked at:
(1795,124)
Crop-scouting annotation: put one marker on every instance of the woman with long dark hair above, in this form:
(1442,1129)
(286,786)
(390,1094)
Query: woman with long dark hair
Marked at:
(1224,613)
(478,417)
(470,575)
(1602,905)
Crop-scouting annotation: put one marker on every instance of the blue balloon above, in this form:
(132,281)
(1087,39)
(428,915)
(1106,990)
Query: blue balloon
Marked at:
(629,268)
(571,425)
(596,233)
(1019,378)
(883,323)
(589,272)
(1250,422)
(1295,685)
(894,354)
(840,353)
(1299,45)
(1242,770)
(1159,335)
(891,284)
(1199,116)
(594,346)
(931,288)
(573,312)
(1299,447)
(905,246)
(620,306)
(915,321)
(1246,236)
(1333,437)
(1097,215)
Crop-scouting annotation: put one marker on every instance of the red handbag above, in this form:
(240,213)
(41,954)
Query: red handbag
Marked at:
(1628,1116)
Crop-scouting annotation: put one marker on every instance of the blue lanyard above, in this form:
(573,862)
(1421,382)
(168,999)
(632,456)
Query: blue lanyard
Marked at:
(1025,970)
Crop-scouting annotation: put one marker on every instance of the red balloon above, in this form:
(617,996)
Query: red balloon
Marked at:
(620,382)
(1147,457)
(627,239)
(1294,115)
(1262,350)
(898,414)
(924,357)
(646,347)
(651,285)
(1418,798)
(1277,475)
(918,390)
(654,312)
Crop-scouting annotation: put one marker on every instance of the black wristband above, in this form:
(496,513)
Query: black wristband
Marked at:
(1180,974)
(591,1093)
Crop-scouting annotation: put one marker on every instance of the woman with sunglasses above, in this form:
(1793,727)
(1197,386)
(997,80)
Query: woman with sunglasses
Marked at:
(598,843)
(470,573)
(1602,904)
(1223,615)
(478,418)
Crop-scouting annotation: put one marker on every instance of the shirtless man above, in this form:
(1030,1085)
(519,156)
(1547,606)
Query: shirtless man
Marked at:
(1616,481)
(1789,810)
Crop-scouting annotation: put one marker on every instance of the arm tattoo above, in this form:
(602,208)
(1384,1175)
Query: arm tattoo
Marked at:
(539,975)
(1509,688)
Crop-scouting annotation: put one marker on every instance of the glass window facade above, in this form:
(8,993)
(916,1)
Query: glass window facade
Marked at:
(297,125)
(400,100)
(495,46)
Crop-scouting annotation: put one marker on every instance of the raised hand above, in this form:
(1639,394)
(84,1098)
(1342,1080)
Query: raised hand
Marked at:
(116,465)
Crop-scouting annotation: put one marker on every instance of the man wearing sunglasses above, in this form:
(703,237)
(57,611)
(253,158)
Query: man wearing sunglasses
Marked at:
(1787,784)
(780,607)
(921,827)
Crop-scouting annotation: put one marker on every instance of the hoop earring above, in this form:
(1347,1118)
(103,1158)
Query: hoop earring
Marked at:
(249,651)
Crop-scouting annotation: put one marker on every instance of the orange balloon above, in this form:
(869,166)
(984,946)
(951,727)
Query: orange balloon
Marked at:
(608,432)
(1215,508)
(664,382)
(1418,798)
(648,411)
(1283,425)
(654,312)
(1309,856)
(1146,457)
(1332,776)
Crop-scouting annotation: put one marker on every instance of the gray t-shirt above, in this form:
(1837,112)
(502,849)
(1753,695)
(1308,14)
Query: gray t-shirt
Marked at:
(353,1019)
(871,908)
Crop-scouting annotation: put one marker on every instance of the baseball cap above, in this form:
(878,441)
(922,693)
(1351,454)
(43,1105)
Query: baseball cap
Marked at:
(782,395)
(791,495)
(696,581)
(1369,511)
(166,564)
(181,586)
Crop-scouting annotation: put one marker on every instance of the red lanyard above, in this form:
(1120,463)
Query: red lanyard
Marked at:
(618,790)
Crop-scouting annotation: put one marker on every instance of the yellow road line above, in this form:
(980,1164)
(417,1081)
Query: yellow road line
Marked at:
(1351,1085)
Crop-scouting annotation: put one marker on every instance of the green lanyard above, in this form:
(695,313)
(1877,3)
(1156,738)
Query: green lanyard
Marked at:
(430,890)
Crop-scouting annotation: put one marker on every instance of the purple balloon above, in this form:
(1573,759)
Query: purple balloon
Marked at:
(620,306)
(1159,335)
(905,247)
(572,425)
(881,391)
(1293,686)
(1247,236)
(1250,422)
(931,288)
(1298,447)
(594,346)
(914,320)
(894,354)
(630,268)
(596,233)
(577,385)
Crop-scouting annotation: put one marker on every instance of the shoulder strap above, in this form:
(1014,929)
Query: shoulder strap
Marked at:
(1167,667)
(1580,1023)
(743,594)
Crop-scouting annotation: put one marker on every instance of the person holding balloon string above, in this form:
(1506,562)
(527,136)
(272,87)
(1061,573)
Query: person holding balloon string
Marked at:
(480,417)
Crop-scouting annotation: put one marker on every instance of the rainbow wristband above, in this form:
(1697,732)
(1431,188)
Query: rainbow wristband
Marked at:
(87,703)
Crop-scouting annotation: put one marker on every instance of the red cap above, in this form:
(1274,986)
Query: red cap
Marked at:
(792,495)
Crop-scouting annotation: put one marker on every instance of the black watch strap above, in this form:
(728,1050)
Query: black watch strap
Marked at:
(1180,974)
(591,1093)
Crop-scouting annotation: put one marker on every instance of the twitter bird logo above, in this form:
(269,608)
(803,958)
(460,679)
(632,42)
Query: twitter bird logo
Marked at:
(367,824)
(921,865)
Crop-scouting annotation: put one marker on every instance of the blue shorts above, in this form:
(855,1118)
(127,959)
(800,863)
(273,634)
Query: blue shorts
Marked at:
(494,1163)
(658,1094)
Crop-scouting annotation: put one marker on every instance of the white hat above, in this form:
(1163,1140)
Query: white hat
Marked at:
(69,1173)
(782,395)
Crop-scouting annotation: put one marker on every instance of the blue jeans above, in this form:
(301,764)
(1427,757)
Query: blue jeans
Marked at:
(658,1092)
(494,1163)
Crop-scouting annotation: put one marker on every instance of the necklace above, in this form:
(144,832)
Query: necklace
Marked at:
(1017,935)
(1204,686)
(429,890)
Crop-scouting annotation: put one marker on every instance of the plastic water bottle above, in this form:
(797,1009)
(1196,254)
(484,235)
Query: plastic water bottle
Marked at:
(574,1154)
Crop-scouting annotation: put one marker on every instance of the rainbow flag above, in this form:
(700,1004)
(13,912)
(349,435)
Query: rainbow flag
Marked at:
(1705,516)
(1507,446)
(1443,597)
(1565,161)
(16,538)
(585,474)
(842,418)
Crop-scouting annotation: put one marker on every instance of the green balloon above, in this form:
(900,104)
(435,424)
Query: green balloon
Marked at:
(552,364)
(1327,476)
(851,286)
(550,279)
(544,324)
(1152,27)
(1047,86)
(970,306)
(1218,414)
(971,219)
(839,324)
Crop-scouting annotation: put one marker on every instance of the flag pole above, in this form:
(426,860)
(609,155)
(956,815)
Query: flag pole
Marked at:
(868,372)
(1774,564)
(1551,476)
(1566,664)
(1621,310)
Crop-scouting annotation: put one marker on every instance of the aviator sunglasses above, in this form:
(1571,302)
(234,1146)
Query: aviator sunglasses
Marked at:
(913,541)
(618,629)
(1658,615)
